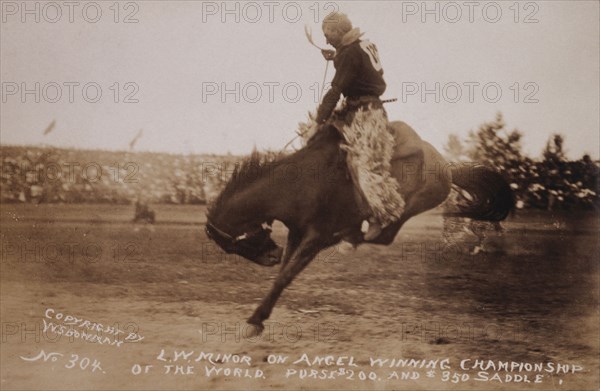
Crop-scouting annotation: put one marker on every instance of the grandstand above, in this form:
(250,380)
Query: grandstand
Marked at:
(55,175)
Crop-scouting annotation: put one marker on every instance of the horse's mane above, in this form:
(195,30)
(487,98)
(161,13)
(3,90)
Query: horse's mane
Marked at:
(257,163)
(246,170)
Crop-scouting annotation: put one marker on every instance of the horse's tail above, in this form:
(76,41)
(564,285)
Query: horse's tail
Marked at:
(483,194)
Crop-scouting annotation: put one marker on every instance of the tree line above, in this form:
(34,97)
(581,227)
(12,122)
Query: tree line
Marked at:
(549,182)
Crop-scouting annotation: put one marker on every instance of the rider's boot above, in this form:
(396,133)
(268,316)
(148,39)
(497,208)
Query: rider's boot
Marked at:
(372,230)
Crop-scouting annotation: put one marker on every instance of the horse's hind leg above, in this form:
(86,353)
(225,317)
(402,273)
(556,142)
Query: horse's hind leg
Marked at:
(423,200)
(308,248)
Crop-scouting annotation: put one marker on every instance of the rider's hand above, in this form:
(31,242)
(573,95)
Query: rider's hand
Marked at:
(328,54)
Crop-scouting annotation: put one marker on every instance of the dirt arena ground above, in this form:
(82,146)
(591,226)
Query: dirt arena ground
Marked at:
(167,298)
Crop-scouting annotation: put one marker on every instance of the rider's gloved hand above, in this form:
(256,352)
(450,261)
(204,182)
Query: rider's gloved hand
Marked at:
(328,54)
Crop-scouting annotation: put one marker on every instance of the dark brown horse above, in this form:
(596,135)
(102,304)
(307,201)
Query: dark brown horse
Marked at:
(311,192)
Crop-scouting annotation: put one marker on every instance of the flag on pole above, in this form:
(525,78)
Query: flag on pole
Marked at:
(135,139)
(50,127)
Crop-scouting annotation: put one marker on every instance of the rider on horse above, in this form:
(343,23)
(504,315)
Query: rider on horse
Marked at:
(363,121)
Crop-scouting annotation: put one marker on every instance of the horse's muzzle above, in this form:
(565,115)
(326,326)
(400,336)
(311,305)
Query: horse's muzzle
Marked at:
(269,258)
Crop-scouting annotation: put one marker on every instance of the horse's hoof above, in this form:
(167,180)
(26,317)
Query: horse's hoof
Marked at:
(345,248)
(254,330)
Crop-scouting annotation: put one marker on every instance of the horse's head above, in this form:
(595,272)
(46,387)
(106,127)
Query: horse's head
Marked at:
(253,243)
(237,223)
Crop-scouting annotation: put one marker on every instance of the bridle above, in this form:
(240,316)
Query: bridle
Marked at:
(248,244)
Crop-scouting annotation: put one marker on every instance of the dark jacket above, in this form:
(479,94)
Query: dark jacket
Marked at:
(358,73)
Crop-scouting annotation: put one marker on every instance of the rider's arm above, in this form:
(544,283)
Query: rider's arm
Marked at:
(329,101)
(346,64)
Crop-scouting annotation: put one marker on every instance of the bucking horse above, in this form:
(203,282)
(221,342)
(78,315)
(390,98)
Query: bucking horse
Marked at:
(312,193)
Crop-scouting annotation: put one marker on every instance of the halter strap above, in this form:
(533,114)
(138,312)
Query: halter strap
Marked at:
(225,234)
(230,238)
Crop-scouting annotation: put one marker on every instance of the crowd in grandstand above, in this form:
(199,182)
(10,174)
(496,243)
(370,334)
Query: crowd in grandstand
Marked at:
(50,175)
(32,174)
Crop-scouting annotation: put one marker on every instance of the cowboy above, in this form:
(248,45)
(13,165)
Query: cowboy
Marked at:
(359,77)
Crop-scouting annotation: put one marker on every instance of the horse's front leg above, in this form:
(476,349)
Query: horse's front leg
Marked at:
(307,249)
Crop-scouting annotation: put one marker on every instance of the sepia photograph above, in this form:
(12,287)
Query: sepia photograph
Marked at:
(300,195)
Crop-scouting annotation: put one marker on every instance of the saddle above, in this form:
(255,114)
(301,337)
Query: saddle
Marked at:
(408,157)
(406,160)
(408,142)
